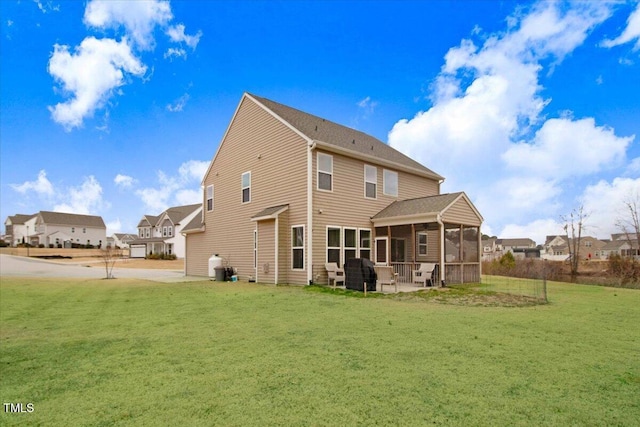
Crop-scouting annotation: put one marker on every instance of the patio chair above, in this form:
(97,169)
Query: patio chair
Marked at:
(386,276)
(335,273)
(424,274)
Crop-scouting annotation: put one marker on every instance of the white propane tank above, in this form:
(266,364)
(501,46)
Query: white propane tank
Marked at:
(214,261)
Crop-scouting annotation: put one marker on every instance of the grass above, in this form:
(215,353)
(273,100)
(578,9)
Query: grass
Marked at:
(119,352)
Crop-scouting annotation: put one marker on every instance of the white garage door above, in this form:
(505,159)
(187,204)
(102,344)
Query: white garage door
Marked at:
(138,251)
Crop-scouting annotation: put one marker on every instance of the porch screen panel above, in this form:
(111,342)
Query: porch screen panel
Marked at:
(452,244)
(470,244)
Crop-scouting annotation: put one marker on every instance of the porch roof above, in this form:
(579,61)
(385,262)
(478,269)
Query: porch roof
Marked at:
(269,213)
(422,209)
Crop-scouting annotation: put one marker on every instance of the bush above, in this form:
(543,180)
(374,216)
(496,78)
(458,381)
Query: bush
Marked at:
(528,268)
(627,270)
(161,255)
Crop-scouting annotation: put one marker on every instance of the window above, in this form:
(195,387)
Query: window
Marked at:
(73,229)
(421,243)
(141,233)
(84,230)
(170,231)
(370,181)
(246,187)
(365,244)
(164,231)
(350,243)
(390,183)
(333,245)
(209,198)
(148,231)
(297,247)
(325,172)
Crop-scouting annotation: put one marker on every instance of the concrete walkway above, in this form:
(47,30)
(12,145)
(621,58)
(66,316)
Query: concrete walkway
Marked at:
(33,267)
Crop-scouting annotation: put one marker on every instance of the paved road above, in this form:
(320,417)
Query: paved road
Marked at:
(33,267)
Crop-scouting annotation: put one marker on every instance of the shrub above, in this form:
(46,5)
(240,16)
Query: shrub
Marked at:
(627,270)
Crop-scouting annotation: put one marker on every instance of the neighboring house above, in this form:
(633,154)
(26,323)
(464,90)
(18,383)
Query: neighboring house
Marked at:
(557,248)
(16,230)
(122,240)
(162,234)
(57,229)
(288,192)
(621,244)
(494,248)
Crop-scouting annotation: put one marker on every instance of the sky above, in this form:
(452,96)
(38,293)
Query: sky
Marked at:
(531,108)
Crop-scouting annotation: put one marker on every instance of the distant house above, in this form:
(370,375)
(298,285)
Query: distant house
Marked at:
(161,234)
(122,240)
(557,248)
(288,192)
(16,230)
(621,244)
(57,229)
(494,248)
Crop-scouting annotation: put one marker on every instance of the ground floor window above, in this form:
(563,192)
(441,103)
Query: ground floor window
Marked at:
(344,243)
(297,247)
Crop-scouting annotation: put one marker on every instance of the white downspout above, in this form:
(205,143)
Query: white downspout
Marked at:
(276,239)
(310,213)
(442,248)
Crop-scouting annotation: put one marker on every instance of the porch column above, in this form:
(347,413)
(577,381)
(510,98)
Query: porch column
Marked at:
(442,250)
(461,253)
(413,243)
(389,245)
(479,255)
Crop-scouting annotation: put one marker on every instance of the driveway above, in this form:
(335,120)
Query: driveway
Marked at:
(33,267)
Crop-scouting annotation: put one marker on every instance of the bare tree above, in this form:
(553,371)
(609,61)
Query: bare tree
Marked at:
(629,224)
(574,223)
(109,257)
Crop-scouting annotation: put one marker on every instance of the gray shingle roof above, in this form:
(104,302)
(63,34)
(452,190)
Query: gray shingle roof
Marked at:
(20,218)
(269,211)
(319,129)
(422,205)
(194,225)
(60,218)
(178,213)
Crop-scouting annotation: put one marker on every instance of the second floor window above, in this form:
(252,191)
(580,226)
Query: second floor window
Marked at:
(246,187)
(370,181)
(209,198)
(390,183)
(325,172)
(170,231)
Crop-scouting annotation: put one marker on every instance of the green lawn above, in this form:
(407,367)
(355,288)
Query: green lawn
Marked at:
(121,352)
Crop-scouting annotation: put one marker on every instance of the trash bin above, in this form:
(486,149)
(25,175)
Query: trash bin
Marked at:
(220,273)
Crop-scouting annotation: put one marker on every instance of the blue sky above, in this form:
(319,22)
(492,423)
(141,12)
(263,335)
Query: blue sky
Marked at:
(115,109)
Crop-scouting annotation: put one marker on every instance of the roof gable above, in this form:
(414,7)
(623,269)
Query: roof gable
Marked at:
(341,137)
(61,218)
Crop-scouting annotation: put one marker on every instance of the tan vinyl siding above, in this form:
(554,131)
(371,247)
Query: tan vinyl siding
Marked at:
(275,155)
(347,206)
(266,251)
(461,213)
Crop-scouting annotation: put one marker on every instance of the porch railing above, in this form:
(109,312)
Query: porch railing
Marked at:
(453,273)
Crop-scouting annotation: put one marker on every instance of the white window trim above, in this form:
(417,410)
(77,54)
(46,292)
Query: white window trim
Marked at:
(343,243)
(384,182)
(243,187)
(207,198)
(318,155)
(327,247)
(370,248)
(418,244)
(374,182)
(304,263)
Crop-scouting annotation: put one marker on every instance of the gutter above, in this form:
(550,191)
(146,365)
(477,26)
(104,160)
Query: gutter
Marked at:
(312,147)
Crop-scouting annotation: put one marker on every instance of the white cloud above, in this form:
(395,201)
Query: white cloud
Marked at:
(567,148)
(537,230)
(124,181)
(605,204)
(176,34)
(630,33)
(47,6)
(367,105)
(179,104)
(114,226)
(175,190)
(486,130)
(139,18)
(175,53)
(89,76)
(41,186)
(84,199)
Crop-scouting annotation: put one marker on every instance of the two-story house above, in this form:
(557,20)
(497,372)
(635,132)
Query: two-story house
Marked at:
(161,234)
(288,192)
(57,229)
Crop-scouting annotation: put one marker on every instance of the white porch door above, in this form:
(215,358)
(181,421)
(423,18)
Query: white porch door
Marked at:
(381,250)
